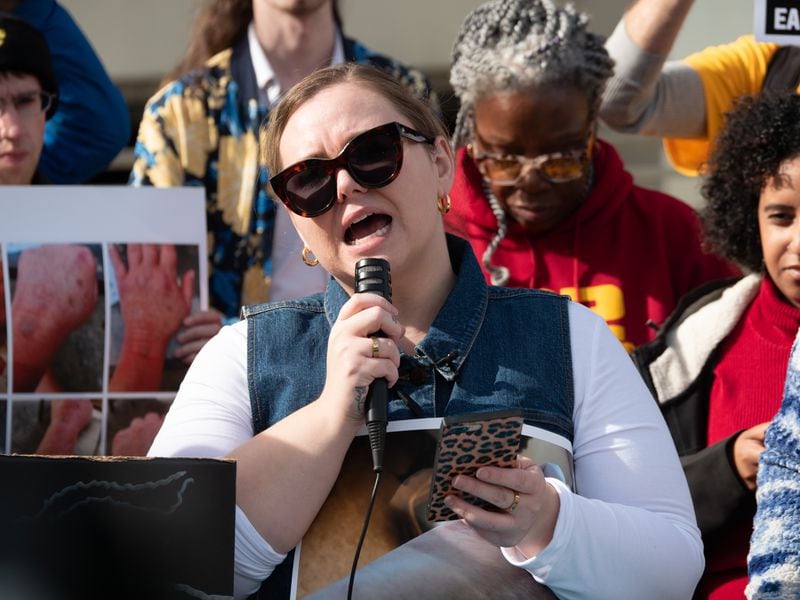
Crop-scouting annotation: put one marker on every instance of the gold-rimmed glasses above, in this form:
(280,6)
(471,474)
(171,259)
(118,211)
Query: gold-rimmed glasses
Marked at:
(509,169)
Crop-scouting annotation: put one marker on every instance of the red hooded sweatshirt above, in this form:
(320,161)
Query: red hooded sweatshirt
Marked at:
(630,252)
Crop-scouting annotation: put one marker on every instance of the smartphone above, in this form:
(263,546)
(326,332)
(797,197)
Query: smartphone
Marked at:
(467,442)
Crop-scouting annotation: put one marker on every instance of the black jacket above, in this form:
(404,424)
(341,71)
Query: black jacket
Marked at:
(678,367)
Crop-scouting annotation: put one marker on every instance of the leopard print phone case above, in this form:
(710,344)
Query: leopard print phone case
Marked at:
(467,442)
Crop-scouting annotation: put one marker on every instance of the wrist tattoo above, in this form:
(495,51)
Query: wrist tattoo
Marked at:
(360,398)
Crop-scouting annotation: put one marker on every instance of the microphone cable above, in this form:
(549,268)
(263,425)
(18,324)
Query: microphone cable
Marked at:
(363,535)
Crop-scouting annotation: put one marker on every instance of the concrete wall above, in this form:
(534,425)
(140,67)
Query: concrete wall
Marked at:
(139,41)
(142,39)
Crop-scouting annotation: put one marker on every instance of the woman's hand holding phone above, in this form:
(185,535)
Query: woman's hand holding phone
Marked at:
(479,477)
(530,525)
(467,443)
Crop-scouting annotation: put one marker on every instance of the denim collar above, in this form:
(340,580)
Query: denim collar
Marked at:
(453,332)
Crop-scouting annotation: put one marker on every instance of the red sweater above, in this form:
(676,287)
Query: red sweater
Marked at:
(630,252)
(747,390)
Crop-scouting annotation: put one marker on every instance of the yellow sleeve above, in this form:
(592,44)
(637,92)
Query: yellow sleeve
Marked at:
(727,72)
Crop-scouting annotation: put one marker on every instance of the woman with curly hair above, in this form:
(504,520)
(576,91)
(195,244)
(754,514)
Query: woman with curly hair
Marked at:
(718,366)
(543,201)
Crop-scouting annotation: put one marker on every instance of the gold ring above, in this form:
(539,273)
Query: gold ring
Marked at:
(514,504)
(376,349)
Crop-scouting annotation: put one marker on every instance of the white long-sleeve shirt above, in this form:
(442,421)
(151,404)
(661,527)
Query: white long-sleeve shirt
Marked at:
(631,533)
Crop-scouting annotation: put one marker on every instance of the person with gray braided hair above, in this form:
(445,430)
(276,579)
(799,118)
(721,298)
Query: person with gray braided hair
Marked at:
(543,201)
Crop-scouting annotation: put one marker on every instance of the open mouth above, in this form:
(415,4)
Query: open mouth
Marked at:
(366,227)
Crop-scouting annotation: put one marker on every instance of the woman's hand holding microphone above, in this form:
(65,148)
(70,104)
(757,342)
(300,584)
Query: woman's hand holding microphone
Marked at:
(356,358)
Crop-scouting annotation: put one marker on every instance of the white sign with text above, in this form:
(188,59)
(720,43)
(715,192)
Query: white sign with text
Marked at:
(777,21)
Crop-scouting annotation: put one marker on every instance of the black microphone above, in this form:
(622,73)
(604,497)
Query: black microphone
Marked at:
(372,275)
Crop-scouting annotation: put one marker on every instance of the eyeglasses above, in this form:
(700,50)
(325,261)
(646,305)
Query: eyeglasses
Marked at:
(373,159)
(28,104)
(508,169)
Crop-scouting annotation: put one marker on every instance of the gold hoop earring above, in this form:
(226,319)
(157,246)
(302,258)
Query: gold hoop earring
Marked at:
(443,204)
(311,262)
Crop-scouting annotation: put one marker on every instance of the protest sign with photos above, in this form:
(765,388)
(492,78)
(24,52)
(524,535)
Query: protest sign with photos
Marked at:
(96,283)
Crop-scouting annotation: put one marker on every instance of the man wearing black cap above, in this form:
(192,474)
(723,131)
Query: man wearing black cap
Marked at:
(28,97)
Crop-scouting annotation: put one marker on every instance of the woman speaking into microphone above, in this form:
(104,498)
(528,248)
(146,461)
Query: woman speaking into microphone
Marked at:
(364,170)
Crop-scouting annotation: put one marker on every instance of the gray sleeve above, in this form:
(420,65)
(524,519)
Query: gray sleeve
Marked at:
(649,96)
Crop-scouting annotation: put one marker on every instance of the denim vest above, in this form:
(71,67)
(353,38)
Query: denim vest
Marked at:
(489,348)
